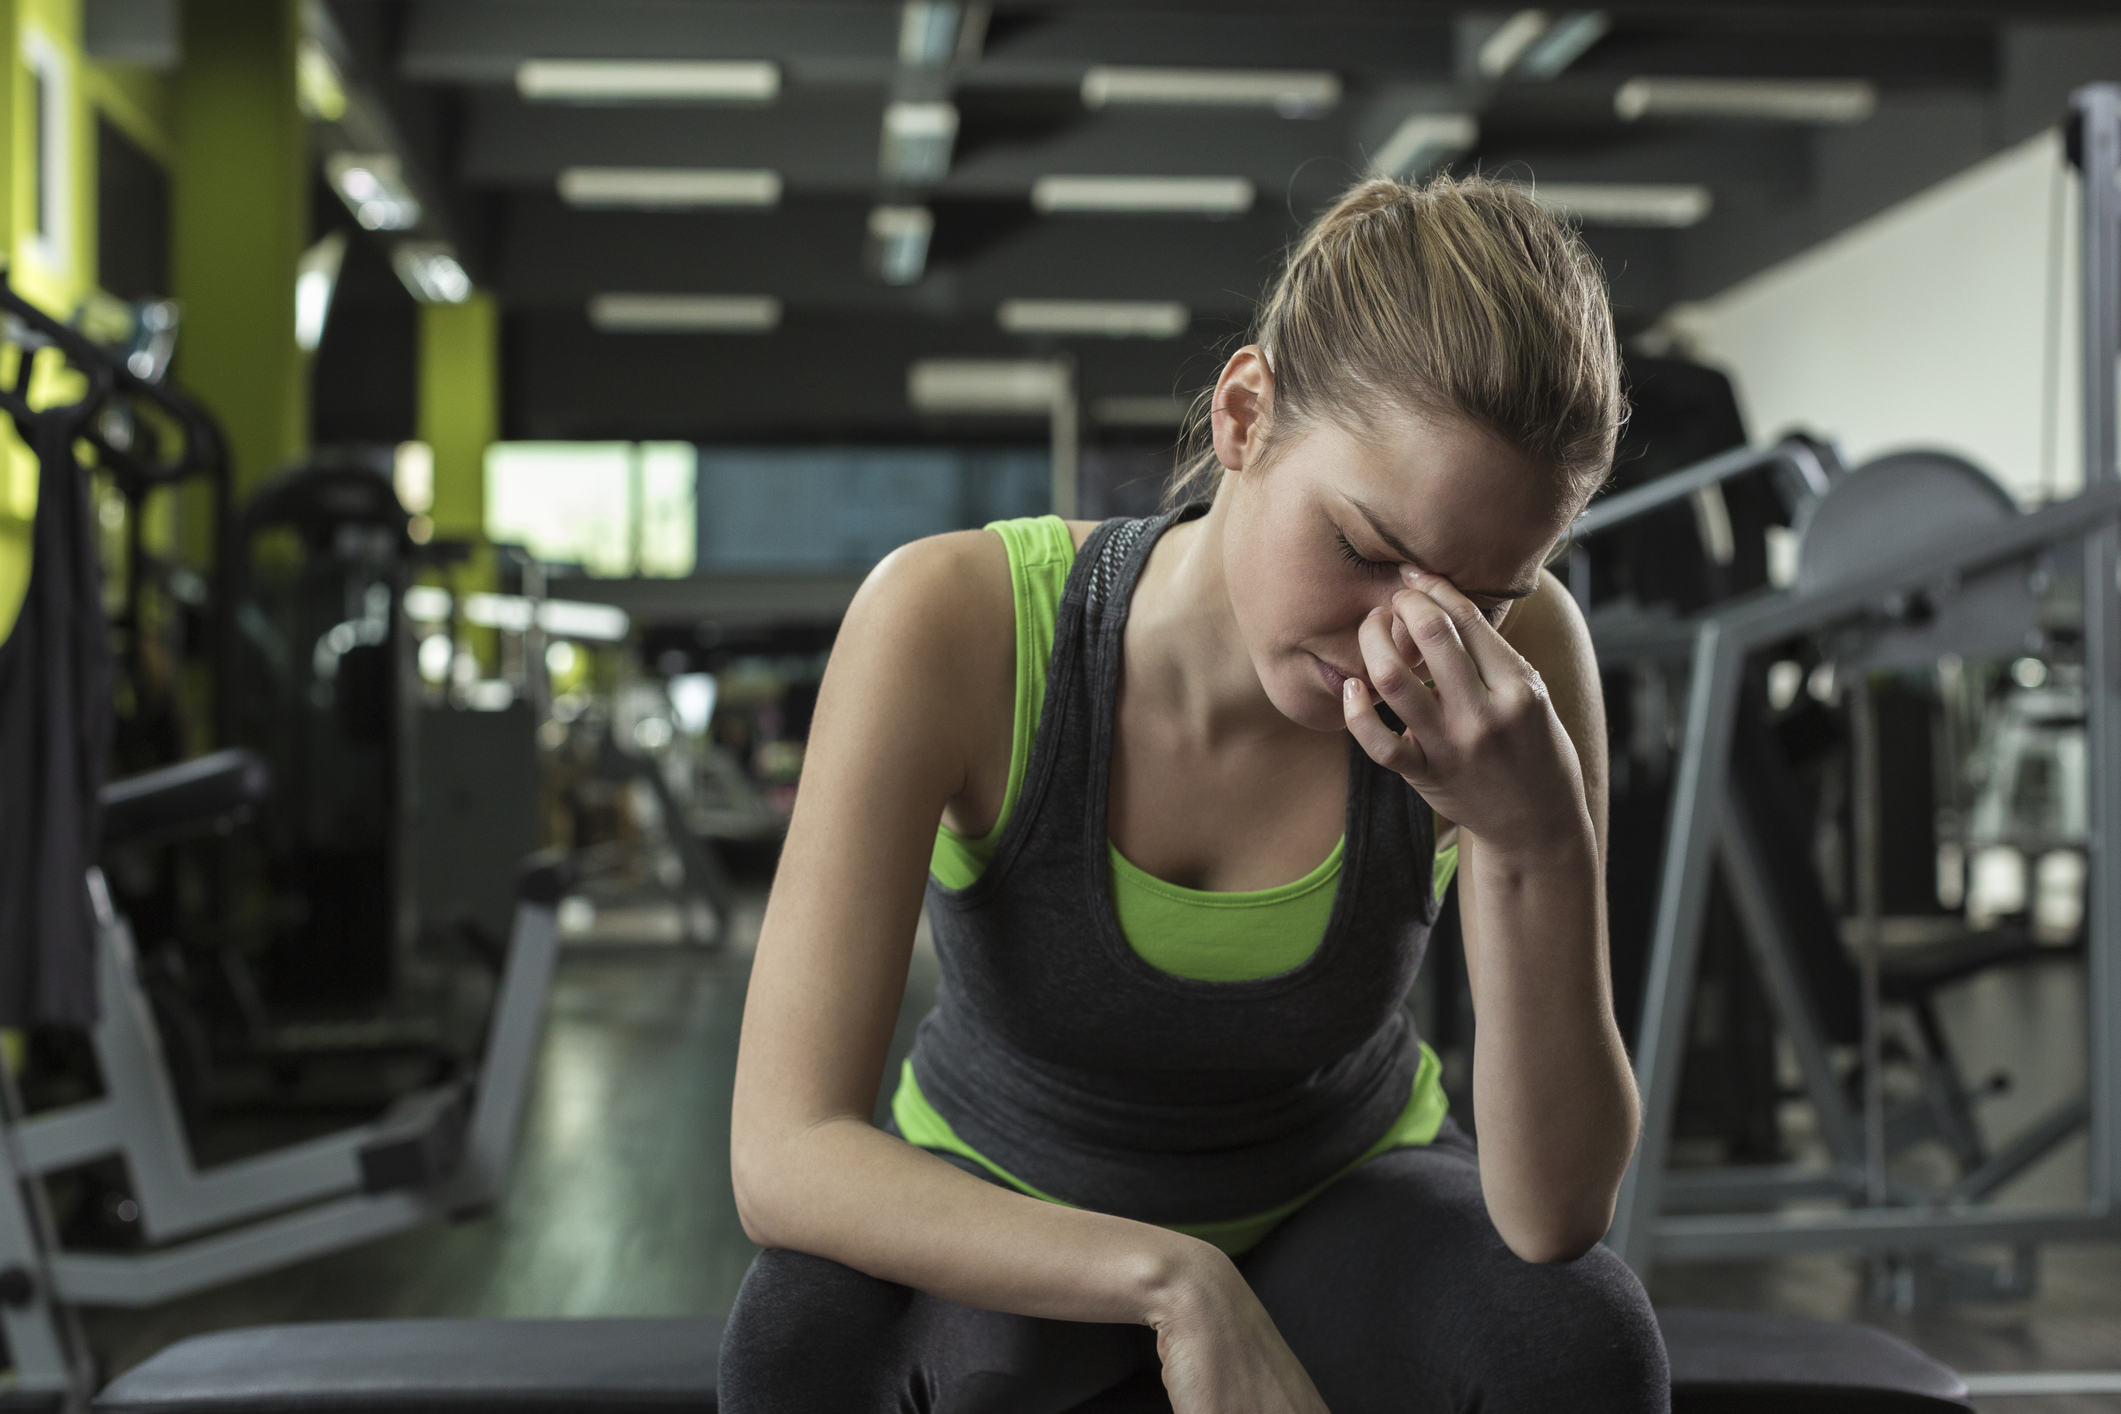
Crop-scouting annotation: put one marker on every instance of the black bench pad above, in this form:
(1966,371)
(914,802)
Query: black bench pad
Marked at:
(1723,1362)
(458,1366)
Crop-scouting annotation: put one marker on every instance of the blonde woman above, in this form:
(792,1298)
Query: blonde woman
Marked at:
(1180,795)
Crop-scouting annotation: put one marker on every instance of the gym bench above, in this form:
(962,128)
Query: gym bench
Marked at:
(1723,1362)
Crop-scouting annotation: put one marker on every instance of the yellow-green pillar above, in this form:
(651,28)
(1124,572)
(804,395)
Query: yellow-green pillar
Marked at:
(460,408)
(240,222)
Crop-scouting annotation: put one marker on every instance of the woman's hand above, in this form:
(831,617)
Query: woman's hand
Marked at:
(1483,746)
(1222,1355)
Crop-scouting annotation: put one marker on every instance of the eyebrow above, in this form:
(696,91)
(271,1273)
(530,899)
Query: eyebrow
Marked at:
(1392,542)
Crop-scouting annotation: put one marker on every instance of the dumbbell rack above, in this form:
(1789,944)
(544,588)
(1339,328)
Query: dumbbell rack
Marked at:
(1863,600)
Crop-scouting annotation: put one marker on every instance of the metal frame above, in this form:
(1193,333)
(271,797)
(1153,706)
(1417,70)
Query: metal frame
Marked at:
(1698,831)
(242,1218)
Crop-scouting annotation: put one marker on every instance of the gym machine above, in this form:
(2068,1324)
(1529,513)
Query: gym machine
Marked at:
(1901,561)
(442,1150)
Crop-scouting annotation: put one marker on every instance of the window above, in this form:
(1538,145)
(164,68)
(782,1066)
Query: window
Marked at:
(614,508)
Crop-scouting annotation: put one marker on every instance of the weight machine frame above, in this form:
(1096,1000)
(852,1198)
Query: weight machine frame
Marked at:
(1698,831)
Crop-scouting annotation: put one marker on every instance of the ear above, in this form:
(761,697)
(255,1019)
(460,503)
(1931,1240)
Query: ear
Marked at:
(1244,396)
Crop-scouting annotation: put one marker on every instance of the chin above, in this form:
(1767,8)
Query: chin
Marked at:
(1297,695)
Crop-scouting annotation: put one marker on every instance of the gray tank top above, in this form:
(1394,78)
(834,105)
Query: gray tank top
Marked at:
(1067,1060)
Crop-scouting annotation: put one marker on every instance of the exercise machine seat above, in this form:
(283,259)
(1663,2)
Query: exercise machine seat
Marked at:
(664,1365)
(1723,1362)
(187,796)
(1740,1362)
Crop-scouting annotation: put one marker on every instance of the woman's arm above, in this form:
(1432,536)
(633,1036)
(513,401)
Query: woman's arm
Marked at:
(1516,734)
(921,673)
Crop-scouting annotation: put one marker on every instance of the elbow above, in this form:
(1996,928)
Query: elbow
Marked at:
(752,1186)
(1560,1235)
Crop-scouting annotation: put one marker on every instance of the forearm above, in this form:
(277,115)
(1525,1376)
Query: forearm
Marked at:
(845,1190)
(1553,1096)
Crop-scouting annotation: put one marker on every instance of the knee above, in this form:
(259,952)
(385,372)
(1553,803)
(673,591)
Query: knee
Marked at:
(795,1317)
(1577,1335)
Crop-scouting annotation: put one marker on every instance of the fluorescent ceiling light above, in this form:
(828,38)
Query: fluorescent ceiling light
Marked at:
(685,314)
(373,187)
(1200,196)
(1140,410)
(316,277)
(1115,319)
(648,81)
(985,385)
(1501,50)
(320,92)
(931,33)
(1293,93)
(1425,142)
(917,141)
(898,242)
(668,188)
(1759,100)
(1563,44)
(430,271)
(1621,204)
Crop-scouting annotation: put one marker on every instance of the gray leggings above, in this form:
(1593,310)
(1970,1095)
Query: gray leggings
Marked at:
(1392,1287)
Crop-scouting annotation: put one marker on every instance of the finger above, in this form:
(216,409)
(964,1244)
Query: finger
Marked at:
(1392,750)
(1490,652)
(1395,681)
(1444,658)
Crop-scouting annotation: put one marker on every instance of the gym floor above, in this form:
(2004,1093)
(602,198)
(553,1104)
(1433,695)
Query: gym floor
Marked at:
(620,1203)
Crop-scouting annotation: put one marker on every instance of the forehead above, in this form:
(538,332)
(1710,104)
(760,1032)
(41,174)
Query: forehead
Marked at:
(1473,507)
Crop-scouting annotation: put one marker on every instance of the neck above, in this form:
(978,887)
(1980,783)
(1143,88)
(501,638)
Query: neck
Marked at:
(1185,659)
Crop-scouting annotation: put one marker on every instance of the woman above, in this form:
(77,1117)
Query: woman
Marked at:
(1168,1106)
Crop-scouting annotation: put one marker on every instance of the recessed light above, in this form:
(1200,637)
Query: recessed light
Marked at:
(668,187)
(372,185)
(685,314)
(1294,93)
(648,81)
(986,385)
(1425,142)
(1828,101)
(917,141)
(1114,319)
(429,269)
(1627,204)
(898,242)
(1198,196)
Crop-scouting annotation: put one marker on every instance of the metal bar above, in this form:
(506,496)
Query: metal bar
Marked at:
(1739,1186)
(42,1345)
(59,1139)
(1864,807)
(511,1055)
(1683,895)
(2097,109)
(2024,1151)
(144,1279)
(1767,936)
(1603,515)
(1696,1239)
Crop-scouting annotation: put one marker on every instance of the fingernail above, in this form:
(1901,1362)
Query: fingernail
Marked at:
(1410,574)
(1348,690)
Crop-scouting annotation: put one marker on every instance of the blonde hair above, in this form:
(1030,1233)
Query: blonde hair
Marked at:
(1462,296)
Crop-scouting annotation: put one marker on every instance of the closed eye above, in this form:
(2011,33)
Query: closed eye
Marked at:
(1368,568)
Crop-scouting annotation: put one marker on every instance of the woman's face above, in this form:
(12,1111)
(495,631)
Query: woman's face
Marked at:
(1316,539)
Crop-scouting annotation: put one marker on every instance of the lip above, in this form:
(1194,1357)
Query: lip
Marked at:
(1333,677)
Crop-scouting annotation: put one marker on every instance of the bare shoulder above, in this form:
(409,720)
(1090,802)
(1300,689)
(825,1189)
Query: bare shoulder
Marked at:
(944,591)
(1547,627)
(1081,529)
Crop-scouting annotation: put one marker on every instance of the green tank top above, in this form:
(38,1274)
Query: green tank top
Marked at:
(1192,933)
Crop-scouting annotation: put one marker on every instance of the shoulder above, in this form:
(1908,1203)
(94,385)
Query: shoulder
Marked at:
(1080,529)
(1547,627)
(945,595)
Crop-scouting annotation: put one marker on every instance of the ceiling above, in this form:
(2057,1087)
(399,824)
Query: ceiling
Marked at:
(1953,83)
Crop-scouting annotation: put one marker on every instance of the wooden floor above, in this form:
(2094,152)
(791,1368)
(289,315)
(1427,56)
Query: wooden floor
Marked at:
(620,1202)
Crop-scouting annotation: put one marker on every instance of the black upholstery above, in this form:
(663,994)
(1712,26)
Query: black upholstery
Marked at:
(408,1367)
(1723,1362)
(1748,1362)
(186,796)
